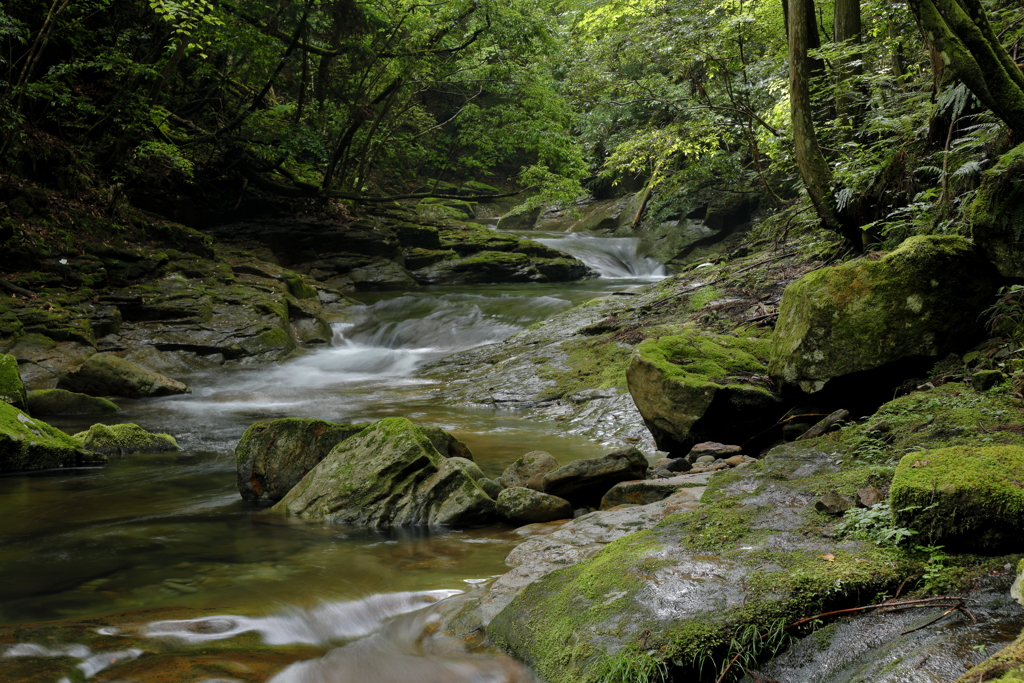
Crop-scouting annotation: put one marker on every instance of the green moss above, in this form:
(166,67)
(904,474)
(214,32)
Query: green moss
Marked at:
(996,215)
(1006,666)
(12,390)
(696,358)
(29,444)
(123,439)
(962,496)
(298,287)
(596,363)
(63,402)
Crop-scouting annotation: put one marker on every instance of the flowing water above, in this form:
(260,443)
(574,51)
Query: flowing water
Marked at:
(165,548)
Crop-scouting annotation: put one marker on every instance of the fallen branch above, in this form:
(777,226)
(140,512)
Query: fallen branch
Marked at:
(10,287)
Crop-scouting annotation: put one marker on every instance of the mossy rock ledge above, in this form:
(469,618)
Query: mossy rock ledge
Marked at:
(124,439)
(678,593)
(969,499)
(29,444)
(389,474)
(63,402)
(273,456)
(700,386)
(920,300)
(106,375)
(12,390)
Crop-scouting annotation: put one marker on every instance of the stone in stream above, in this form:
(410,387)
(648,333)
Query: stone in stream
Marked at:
(967,498)
(918,301)
(584,482)
(30,444)
(12,390)
(700,386)
(106,375)
(526,506)
(388,475)
(273,456)
(528,471)
(124,439)
(63,402)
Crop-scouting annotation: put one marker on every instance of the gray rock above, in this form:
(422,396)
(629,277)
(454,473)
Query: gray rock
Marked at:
(1017,589)
(869,497)
(718,450)
(106,375)
(12,390)
(705,460)
(832,503)
(63,402)
(470,468)
(526,506)
(273,456)
(584,482)
(388,475)
(529,471)
(490,487)
(648,491)
(446,444)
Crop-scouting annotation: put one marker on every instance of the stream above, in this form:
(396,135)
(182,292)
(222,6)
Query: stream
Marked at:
(135,570)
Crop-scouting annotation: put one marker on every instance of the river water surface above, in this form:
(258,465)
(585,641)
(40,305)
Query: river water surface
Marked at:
(160,552)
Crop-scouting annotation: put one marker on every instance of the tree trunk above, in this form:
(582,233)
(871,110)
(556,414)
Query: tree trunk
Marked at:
(847,27)
(961,34)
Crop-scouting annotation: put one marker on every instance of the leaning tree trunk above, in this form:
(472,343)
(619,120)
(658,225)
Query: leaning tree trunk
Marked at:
(814,170)
(960,32)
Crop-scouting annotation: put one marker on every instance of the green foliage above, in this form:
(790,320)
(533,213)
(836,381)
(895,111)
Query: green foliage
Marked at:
(876,524)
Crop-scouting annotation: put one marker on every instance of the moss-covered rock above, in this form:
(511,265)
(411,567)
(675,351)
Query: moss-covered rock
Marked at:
(1006,666)
(106,375)
(584,482)
(63,402)
(447,445)
(969,499)
(921,300)
(12,390)
(29,444)
(997,213)
(528,471)
(700,386)
(437,209)
(124,439)
(526,506)
(273,456)
(298,287)
(387,475)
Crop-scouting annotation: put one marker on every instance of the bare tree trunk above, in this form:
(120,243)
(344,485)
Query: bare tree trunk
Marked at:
(847,27)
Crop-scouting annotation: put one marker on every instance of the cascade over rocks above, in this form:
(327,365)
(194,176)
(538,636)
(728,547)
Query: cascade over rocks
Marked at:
(700,386)
(273,456)
(389,474)
(921,300)
(106,375)
(29,444)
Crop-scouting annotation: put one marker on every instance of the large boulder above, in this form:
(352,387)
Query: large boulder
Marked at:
(28,444)
(700,386)
(106,375)
(997,214)
(63,402)
(526,506)
(124,439)
(921,300)
(528,471)
(387,475)
(969,499)
(12,390)
(584,482)
(273,456)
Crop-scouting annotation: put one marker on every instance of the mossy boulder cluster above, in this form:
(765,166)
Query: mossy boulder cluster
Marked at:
(30,444)
(699,386)
(389,474)
(921,300)
(125,439)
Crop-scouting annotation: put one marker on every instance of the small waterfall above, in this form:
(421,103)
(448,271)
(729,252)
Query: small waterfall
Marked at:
(614,258)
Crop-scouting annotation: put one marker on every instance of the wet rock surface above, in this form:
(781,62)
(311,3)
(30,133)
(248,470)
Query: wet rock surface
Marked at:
(584,482)
(106,375)
(272,457)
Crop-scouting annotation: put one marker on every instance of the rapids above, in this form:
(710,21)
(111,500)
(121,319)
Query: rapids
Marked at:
(166,549)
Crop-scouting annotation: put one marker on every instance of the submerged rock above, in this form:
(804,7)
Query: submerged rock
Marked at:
(124,439)
(921,300)
(12,390)
(584,482)
(969,499)
(106,375)
(526,506)
(389,474)
(273,456)
(63,402)
(700,386)
(29,444)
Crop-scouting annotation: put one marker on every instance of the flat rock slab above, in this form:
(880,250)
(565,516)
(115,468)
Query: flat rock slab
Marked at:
(645,491)
(106,375)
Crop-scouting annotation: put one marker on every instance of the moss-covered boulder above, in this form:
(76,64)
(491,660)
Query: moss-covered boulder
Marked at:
(526,506)
(584,482)
(920,300)
(997,213)
(273,456)
(124,439)
(387,475)
(447,445)
(29,444)
(63,402)
(969,499)
(1006,666)
(700,386)
(12,390)
(106,375)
